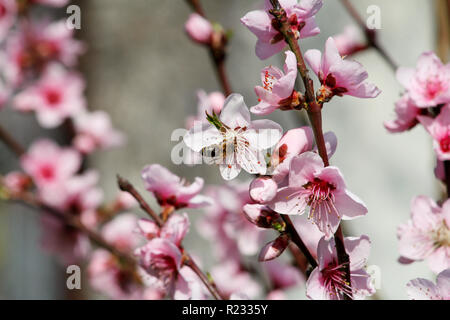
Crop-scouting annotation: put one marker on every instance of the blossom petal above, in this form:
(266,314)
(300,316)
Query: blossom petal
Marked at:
(235,112)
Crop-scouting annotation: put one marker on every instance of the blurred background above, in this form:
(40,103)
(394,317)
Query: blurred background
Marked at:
(142,69)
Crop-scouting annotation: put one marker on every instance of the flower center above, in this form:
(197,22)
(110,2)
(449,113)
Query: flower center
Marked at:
(433,88)
(47,172)
(164,267)
(441,236)
(445,143)
(53,97)
(333,279)
(269,81)
(321,196)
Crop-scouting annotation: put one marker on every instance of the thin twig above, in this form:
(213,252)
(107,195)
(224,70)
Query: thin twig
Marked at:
(217,52)
(126,186)
(11,143)
(371,34)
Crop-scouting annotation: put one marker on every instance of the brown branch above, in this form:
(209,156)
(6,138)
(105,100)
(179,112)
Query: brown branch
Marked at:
(217,48)
(30,200)
(314,110)
(126,186)
(11,143)
(371,35)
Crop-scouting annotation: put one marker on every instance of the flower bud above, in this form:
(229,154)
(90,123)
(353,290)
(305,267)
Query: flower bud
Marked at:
(263,189)
(274,248)
(199,29)
(263,217)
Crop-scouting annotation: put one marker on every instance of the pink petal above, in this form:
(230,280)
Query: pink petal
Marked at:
(235,112)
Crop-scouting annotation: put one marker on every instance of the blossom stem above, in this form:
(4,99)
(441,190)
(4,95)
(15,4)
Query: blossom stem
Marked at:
(371,34)
(314,110)
(217,52)
(11,143)
(126,186)
(447,176)
(295,237)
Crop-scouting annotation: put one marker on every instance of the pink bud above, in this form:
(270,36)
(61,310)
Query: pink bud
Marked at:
(199,29)
(263,216)
(263,189)
(274,248)
(216,100)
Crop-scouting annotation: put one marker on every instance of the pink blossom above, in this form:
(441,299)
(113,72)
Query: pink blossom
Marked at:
(423,289)
(328,281)
(226,225)
(199,29)
(55,97)
(322,189)
(174,229)
(429,83)
(439,129)
(426,236)
(95,131)
(231,280)
(209,103)
(262,216)
(349,41)
(36,45)
(238,142)
(47,163)
(301,17)
(339,76)
(8,15)
(406,112)
(277,87)
(309,233)
(124,201)
(162,259)
(171,190)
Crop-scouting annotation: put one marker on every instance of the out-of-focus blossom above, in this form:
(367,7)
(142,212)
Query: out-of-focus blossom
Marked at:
(171,190)
(36,45)
(339,76)
(238,142)
(231,280)
(322,189)
(66,242)
(328,281)
(283,275)
(95,131)
(199,29)
(119,232)
(427,235)
(349,41)
(17,182)
(162,259)
(78,195)
(8,14)
(274,248)
(55,97)
(277,90)
(47,163)
(423,289)
(207,103)
(301,17)
(406,112)
(225,224)
(428,84)
(439,129)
